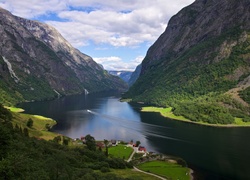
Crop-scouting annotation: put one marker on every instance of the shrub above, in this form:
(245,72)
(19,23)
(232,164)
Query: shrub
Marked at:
(30,123)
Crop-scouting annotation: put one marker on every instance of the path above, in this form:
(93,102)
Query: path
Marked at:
(149,173)
(131,156)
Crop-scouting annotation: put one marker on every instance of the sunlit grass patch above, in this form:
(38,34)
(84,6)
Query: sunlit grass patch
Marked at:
(166,112)
(40,125)
(120,151)
(166,169)
(42,117)
(14,109)
(132,174)
(239,121)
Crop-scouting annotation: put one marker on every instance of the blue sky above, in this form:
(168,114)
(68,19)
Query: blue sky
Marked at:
(115,33)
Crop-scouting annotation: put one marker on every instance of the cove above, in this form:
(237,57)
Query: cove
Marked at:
(213,153)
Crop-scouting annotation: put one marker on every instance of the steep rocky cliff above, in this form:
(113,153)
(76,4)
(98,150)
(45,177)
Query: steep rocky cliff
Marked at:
(203,54)
(37,63)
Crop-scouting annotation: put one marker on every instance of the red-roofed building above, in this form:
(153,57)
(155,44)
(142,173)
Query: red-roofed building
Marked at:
(142,149)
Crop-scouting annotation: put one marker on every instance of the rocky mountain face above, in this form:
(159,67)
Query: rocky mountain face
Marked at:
(197,23)
(37,63)
(205,50)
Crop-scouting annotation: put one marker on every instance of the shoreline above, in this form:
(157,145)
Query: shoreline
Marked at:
(167,112)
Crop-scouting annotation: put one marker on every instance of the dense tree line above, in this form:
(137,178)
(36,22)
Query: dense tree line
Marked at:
(245,94)
(22,157)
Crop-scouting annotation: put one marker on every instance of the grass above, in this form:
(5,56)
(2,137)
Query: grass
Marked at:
(120,151)
(14,109)
(167,112)
(132,174)
(239,122)
(170,170)
(38,129)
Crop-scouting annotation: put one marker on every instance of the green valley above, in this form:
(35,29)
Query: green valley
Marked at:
(203,74)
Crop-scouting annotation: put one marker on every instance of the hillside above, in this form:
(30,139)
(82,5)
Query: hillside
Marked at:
(37,63)
(23,157)
(200,65)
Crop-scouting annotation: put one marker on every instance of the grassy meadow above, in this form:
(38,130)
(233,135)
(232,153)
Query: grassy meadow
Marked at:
(132,174)
(40,127)
(169,170)
(120,151)
(167,112)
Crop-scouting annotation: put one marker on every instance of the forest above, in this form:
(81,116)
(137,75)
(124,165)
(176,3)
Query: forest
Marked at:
(24,157)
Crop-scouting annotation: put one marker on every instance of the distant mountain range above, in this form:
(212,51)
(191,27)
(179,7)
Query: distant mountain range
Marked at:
(200,65)
(128,76)
(37,63)
(124,75)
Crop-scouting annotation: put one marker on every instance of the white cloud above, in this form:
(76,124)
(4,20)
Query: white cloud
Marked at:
(130,24)
(116,63)
(114,22)
(111,59)
(33,8)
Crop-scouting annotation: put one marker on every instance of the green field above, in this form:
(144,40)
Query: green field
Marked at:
(120,151)
(132,174)
(169,170)
(38,129)
(14,109)
(167,112)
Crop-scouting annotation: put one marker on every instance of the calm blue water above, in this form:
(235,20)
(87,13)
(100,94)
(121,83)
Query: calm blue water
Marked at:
(214,153)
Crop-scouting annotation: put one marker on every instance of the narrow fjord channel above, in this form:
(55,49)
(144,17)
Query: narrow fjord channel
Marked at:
(215,153)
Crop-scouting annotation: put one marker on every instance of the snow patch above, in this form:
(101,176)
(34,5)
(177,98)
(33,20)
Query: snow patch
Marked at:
(12,73)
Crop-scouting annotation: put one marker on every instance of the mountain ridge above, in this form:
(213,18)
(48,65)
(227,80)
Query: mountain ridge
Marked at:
(201,56)
(38,63)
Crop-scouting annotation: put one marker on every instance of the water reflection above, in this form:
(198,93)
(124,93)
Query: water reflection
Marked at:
(219,153)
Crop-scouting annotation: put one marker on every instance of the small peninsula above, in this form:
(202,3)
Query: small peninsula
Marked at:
(168,113)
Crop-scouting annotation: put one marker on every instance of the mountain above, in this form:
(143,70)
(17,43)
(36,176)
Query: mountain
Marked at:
(37,63)
(124,75)
(135,75)
(200,65)
(128,76)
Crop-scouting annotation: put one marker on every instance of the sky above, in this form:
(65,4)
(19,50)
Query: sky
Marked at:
(115,33)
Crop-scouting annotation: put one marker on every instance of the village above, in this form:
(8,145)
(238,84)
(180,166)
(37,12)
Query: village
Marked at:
(118,148)
(154,164)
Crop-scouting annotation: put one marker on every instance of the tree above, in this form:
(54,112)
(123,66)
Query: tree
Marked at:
(57,139)
(90,142)
(5,114)
(137,143)
(106,142)
(65,140)
(26,132)
(47,126)
(30,123)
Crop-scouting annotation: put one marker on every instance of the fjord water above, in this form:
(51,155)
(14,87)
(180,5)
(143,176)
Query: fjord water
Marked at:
(215,153)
